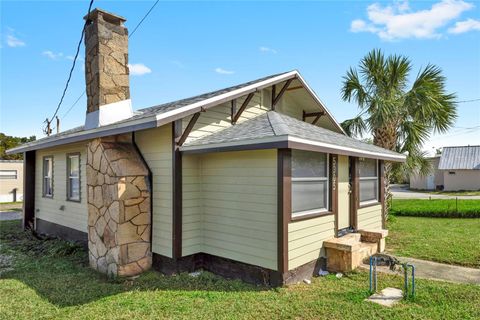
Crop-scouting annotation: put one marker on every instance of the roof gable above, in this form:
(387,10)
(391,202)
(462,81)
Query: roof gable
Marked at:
(165,113)
(460,158)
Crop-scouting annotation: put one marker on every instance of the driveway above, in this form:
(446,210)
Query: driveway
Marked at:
(402,191)
(10,215)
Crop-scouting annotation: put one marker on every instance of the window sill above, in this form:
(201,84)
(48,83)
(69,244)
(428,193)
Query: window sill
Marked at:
(47,197)
(74,200)
(311,216)
(369,204)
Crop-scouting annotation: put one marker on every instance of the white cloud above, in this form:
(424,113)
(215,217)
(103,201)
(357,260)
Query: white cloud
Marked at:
(14,42)
(138,69)
(465,26)
(267,50)
(52,55)
(223,71)
(398,21)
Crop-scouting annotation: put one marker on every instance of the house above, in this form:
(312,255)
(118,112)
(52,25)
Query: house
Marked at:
(432,181)
(257,181)
(11,180)
(457,168)
(461,168)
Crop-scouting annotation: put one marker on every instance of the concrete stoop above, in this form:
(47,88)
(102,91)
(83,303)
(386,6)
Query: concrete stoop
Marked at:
(346,253)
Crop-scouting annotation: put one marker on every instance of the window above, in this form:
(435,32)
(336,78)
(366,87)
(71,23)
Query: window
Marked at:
(73,177)
(8,174)
(368,173)
(310,190)
(48,177)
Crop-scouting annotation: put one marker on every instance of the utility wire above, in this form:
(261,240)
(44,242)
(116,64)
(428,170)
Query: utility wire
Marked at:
(144,17)
(472,100)
(47,129)
(129,36)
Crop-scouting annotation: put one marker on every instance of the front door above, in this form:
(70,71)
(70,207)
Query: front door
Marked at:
(343,194)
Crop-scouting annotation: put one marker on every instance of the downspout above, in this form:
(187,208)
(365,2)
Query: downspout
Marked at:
(150,183)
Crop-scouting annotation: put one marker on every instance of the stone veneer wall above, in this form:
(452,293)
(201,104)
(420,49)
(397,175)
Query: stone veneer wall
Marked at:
(119,213)
(106,60)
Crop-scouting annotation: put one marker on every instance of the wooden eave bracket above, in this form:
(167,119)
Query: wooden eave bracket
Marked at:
(242,108)
(276,98)
(189,128)
(317,116)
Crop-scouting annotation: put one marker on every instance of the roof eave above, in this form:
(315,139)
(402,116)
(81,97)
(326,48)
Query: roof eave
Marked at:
(286,141)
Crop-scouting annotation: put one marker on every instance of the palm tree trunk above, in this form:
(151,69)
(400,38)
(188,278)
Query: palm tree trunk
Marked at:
(386,137)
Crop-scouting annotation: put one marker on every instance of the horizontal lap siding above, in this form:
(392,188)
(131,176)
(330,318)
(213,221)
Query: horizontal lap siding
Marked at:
(370,217)
(58,209)
(305,239)
(240,206)
(156,147)
(192,235)
(219,118)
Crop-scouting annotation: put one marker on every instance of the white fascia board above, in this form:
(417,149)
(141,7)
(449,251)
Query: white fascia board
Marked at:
(360,152)
(221,98)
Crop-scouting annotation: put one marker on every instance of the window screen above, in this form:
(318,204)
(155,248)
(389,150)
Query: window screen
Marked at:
(310,188)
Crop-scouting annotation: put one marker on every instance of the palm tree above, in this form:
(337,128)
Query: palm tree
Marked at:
(398,117)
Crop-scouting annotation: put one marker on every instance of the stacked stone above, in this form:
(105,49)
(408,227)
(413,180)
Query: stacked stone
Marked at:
(106,65)
(119,214)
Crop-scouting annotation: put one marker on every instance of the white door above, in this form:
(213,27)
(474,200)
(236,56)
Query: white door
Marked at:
(430,182)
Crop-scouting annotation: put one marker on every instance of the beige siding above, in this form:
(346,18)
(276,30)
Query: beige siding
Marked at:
(230,207)
(305,239)
(461,180)
(156,147)
(58,209)
(7,185)
(370,217)
(192,233)
(219,117)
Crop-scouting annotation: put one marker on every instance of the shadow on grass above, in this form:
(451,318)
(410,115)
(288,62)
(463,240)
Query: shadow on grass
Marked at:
(65,279)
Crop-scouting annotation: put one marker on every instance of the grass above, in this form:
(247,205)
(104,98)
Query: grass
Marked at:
(44,282)
(450,193)
(452,241)
(11,206)
(441,208)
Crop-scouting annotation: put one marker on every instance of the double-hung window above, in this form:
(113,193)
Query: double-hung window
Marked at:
(48,177)
(369,183)
(310,187)
(73,177)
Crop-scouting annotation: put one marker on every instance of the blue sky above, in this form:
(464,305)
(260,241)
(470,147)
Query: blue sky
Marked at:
(186,48)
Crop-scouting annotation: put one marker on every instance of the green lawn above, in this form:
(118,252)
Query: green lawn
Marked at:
(50,280)
(447,240)
(436,208)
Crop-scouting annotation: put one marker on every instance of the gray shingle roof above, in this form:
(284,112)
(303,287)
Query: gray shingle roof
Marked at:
(456,158)
(273,124)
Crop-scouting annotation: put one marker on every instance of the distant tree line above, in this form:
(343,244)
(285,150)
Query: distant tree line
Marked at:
(8,142)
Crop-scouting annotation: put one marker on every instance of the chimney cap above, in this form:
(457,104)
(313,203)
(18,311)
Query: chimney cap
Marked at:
(108,16)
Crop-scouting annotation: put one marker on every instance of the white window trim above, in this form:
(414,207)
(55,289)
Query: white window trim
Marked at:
(296,214)
(70,177)
(377,197)
(45,176)
(12,176)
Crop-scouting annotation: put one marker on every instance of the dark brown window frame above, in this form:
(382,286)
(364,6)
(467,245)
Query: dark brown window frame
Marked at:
(67,176)
(52,177)
(370,203)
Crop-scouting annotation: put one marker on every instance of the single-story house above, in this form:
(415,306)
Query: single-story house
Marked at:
(432,181)
(457,168)
(256,181)
(11,180)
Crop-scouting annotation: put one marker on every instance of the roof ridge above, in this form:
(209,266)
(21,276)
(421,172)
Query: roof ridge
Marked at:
(274,118)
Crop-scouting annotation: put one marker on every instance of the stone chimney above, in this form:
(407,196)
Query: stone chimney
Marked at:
(106,69)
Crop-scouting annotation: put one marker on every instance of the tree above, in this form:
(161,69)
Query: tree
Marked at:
(8,142)
(399,117)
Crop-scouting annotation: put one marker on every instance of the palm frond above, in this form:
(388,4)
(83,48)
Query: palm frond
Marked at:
(354,127)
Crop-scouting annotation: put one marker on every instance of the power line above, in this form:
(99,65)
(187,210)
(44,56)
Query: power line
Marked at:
(47,129)
(131,34)
(471,100)
(144,17)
